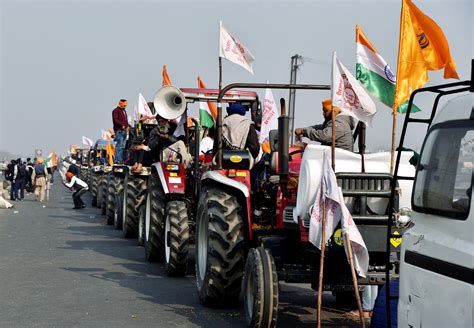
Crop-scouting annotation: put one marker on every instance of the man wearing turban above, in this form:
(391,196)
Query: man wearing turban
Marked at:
(323,132)
(121,127)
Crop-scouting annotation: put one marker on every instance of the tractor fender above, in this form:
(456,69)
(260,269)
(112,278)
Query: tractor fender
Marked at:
(171,185)
(237,188)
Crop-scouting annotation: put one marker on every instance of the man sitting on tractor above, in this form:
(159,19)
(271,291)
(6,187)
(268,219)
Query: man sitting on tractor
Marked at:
(323,132)
(238,132)
(162,141)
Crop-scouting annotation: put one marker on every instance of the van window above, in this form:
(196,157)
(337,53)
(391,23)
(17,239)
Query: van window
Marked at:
(444,177)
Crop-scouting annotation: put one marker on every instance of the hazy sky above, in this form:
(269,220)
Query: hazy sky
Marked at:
(65,64)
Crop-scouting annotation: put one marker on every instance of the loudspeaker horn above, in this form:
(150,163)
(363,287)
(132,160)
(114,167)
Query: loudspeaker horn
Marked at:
(169,102)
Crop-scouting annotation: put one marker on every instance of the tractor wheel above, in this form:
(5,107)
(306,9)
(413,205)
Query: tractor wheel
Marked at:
(135,195)
(118,211)
(94,188)
(219,248)
(176,238)
(260,289)
(141,224)
(155,220)
(110,195)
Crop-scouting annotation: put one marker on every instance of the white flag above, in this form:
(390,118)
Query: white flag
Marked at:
(232,49)
(359,250)
(87,141)
(269,116)
(180,128)
(349,95)
(328,192)
(102,134)
(143,107)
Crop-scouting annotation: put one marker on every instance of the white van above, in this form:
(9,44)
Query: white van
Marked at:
(437,262)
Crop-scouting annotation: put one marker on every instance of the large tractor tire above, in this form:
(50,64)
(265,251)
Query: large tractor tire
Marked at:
(134,196)
(219,248)
(94,184)
(176,238)
(260,289)
(110,195)
(155,220)
(118,211)
(84,175)
(141,224)
(102,197)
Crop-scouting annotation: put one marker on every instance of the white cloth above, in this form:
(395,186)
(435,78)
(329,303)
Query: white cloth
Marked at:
(206,145)
(232,49)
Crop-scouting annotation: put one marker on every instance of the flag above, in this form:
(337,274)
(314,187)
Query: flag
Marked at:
(373,72)
(269,117)
(349,95)
(102,134)
(143,108)
(166,78)
(327,193)
(330,195)
(109,149)
(51,160)
(135,113)
(181,120)
(422,47)
(359,250)
(233,50)
(211,106)
(87,141)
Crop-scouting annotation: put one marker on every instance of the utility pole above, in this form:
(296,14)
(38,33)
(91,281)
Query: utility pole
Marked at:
(291,100)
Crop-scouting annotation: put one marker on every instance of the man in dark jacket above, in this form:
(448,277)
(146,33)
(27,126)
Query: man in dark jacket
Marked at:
(121,127)
(323,132)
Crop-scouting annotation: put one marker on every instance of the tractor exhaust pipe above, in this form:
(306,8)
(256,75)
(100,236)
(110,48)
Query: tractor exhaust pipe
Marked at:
(283,158)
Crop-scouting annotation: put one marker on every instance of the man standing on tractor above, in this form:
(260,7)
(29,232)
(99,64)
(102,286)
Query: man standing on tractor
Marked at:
(323,132)
(121,127)
(238,132)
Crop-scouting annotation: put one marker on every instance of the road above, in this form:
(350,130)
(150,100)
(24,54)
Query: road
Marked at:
(61,267)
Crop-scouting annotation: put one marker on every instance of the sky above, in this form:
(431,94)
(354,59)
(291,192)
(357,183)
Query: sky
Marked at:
(65,64)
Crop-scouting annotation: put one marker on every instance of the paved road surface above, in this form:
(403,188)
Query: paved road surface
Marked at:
(64,268)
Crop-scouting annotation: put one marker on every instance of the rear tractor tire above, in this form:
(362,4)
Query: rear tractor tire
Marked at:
(135,195)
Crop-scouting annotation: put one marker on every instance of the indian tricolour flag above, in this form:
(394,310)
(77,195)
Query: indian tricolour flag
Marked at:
(373,72)
(207,110)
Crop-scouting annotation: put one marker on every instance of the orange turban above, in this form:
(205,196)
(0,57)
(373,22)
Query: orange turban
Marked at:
(327,106)
(122,103)
(40,160)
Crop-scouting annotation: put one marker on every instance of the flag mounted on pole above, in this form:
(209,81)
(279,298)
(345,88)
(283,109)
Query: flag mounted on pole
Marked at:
(269,119)
(233,50)
(207,111)
(349,95)
(373,72)
(143,108)
(87,141)
(166,78)
(422,47)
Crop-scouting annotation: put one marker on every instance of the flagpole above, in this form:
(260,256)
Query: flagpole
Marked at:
(321,265)
(219,121)
(394,129)
(354,279)
(333,142)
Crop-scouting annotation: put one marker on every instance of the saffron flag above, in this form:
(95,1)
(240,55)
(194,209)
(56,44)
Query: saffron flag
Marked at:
(233,50)
(269,117)
(166,78)
(207,110)
(87,141)
(373,72)
(422,47)
(349,95)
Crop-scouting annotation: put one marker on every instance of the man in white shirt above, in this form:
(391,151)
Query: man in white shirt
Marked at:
(80,187)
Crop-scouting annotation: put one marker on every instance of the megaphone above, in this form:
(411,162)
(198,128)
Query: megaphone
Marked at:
(169,102)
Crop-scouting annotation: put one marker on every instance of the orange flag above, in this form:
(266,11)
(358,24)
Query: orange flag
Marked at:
(212,106)
(166,78)
(423,47)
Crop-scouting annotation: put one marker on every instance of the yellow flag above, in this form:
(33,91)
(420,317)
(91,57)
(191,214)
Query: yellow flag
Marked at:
(166,78)
(423,47)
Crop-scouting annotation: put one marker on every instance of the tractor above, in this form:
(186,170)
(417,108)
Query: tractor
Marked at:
(98,162)
(253,232)
(173,187)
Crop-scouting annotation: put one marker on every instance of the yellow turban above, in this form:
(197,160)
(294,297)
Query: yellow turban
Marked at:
(327,106)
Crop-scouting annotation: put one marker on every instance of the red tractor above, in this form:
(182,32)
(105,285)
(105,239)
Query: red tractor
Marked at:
(174,184)
(249,234)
